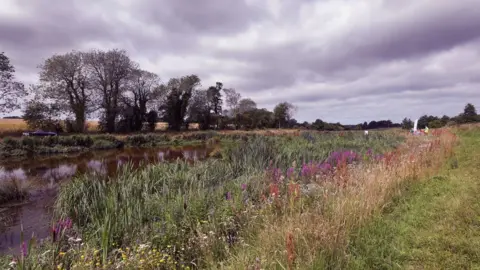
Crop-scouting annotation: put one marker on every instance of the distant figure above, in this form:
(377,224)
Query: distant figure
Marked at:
(366,132)
(426,130)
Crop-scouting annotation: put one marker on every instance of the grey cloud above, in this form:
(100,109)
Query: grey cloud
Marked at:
(426,29)
(415,31)
(201,16)
(156,28)
(396,53)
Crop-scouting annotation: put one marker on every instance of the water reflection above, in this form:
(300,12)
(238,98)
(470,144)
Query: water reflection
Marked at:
(44,174)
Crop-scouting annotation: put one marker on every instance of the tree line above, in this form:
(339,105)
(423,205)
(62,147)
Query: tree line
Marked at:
(110,86)
(469,115)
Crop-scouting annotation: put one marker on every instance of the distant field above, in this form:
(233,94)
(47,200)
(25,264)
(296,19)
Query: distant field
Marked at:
(12,125)
(7,125)
(20,125)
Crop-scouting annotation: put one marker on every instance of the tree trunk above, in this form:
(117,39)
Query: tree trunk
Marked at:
(80,121)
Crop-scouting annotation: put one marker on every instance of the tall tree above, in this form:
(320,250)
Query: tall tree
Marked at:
(445,119)
(142,88)
(199,109)
(11,91)
(232,99)
(215,100)
(318,124)
(469,113)
(179,91)
(246,104)
(469,110)
(65,80)
(283,112)
(110,72)
(256,118)
(407,123)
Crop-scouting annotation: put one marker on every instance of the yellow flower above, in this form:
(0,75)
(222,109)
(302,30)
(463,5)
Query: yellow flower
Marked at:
(97,264)
(162,260)
(82,257)
(61,253)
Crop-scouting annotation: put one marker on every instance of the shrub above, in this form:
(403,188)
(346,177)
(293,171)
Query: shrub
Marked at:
(147,140)
(101,144)
(10,143)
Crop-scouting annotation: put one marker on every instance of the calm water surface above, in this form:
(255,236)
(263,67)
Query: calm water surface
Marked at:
(45,174)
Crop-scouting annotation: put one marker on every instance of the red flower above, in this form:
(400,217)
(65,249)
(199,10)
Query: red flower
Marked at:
(274,190)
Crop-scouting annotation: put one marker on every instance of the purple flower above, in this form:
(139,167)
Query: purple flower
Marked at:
(290,172)
(228,196)
(244,186)
(24,249)
(62,224)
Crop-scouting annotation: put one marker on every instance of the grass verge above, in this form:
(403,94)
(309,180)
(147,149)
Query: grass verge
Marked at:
(436,225)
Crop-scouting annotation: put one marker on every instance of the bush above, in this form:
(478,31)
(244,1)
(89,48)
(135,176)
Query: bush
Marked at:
(101,144)
(148,140)
(11,143)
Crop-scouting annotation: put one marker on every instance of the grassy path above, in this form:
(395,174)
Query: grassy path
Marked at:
(435,226)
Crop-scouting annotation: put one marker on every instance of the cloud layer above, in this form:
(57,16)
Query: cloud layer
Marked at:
(338,60)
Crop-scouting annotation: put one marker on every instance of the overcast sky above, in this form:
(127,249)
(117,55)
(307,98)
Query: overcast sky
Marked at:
(337,60)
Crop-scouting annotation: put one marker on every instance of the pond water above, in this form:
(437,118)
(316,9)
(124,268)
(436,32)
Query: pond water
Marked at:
(44,174)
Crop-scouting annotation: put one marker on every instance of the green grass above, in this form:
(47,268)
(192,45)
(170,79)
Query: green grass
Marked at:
(434,225)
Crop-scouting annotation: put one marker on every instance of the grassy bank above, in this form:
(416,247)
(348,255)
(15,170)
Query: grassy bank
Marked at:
(434,226)
(28,146)
(269,202)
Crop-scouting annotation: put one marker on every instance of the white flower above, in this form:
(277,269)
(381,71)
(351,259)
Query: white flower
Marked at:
(143,246)
(12,264)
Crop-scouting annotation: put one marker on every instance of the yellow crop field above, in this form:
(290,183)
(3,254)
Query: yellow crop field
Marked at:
(20,125)
(12,125)
(7,125)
